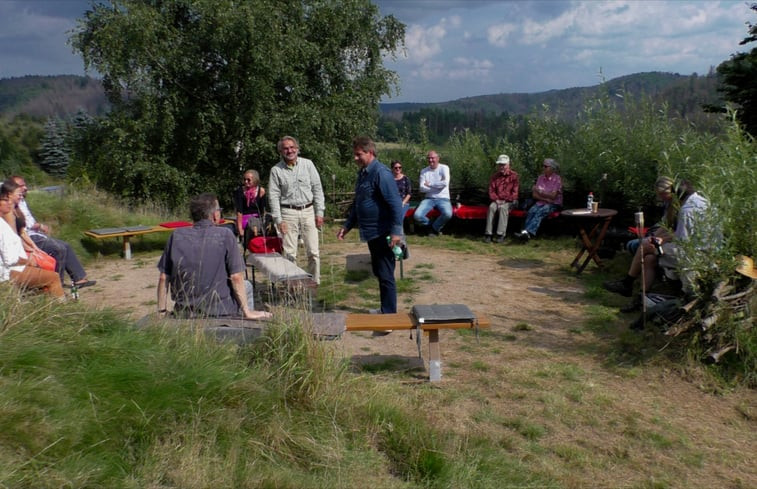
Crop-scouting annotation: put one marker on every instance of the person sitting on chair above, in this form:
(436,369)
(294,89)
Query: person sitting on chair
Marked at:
(547,191)
(204,268)
(250,205)
(663,248)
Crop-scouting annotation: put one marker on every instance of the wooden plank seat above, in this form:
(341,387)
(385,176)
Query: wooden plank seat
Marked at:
(126,233)
(323,326)
(280,271)
(410,321)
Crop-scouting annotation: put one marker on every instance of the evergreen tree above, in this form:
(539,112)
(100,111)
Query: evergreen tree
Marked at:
(739,81)
(54,151)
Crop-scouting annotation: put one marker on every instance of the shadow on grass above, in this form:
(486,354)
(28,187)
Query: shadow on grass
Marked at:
(377,363)
(113,247)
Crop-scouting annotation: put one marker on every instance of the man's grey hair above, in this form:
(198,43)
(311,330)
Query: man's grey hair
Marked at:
(203,206)
(287,138)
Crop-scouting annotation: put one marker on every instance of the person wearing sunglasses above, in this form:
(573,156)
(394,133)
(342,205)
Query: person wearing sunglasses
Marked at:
(405,189)
(16,265)
(250,205)
(547,192)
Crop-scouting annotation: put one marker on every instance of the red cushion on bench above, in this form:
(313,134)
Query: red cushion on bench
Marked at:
(265,244)
(471,212)
(175,224)
(411,212)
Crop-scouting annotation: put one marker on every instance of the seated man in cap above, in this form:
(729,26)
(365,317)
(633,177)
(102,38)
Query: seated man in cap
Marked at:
(204,268)
(663,247)
(547,191)
(503,193)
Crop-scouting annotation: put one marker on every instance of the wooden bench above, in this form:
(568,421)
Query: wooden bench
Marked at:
(408,321)
(126,233)
(476,212)
(279,270)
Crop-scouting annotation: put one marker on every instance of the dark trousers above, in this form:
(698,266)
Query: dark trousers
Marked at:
(64,255)
(382,263)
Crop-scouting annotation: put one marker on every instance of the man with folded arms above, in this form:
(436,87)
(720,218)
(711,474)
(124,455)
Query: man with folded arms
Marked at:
(297,205)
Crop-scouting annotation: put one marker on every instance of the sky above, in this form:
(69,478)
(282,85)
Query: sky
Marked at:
(462,48)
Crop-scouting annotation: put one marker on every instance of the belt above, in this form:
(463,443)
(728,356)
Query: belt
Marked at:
(298,207)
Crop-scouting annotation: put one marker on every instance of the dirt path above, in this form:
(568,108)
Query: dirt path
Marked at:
(509,291)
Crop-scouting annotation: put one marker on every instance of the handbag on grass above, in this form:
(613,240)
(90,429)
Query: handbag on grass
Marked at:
(44,261)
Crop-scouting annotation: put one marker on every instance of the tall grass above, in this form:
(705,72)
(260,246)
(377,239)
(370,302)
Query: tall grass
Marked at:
(91,401)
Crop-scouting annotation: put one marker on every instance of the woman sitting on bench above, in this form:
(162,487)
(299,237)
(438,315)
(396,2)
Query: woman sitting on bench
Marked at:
(15,264)
(250,204)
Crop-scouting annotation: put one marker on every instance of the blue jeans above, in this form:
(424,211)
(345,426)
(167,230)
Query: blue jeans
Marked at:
(535,215)
(382,263)
(67,261)
(444,206)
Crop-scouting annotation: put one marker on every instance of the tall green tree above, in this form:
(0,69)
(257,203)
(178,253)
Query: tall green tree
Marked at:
(192,81)
(739,80)
(54,152)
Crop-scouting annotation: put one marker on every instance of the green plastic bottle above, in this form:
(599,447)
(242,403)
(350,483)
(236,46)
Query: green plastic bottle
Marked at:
(396,249)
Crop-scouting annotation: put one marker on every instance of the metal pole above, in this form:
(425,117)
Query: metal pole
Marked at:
(639,217)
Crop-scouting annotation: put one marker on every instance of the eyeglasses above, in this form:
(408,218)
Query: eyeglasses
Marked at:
(248,180)
(219,209)
(396,168)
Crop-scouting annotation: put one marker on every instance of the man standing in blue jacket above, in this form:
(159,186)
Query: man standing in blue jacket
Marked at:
(377,211)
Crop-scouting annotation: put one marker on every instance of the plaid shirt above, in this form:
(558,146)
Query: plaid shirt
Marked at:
(504,186)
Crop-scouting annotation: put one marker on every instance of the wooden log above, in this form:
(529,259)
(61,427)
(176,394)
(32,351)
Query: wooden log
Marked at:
(714,357)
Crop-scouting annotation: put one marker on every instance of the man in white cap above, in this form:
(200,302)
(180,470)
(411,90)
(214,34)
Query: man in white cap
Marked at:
(503,193)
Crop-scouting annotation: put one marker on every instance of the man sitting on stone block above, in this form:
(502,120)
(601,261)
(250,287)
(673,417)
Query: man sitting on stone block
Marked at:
(205,269)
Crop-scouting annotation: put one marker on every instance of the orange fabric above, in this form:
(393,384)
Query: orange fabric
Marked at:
(37,278)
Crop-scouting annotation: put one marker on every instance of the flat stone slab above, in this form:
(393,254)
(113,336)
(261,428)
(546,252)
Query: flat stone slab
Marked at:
(324,326)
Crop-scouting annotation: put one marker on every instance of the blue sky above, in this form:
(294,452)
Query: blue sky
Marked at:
(459,48)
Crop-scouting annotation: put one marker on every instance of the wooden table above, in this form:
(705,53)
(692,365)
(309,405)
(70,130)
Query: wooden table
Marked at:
(590,242)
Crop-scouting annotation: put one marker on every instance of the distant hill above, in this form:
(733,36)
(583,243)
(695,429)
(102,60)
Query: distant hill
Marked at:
(45,96)
(63,95)
(683,93)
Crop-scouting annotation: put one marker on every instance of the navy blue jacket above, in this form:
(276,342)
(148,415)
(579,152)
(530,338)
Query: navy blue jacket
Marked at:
(377,209)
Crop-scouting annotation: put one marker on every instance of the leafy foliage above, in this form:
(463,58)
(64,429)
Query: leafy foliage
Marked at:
(739,80)
(203,78)
(17,138)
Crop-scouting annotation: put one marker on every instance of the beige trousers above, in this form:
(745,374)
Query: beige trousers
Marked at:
(301,224)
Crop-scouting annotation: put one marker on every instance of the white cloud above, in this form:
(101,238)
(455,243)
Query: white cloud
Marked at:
(423,43)
(498,34)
